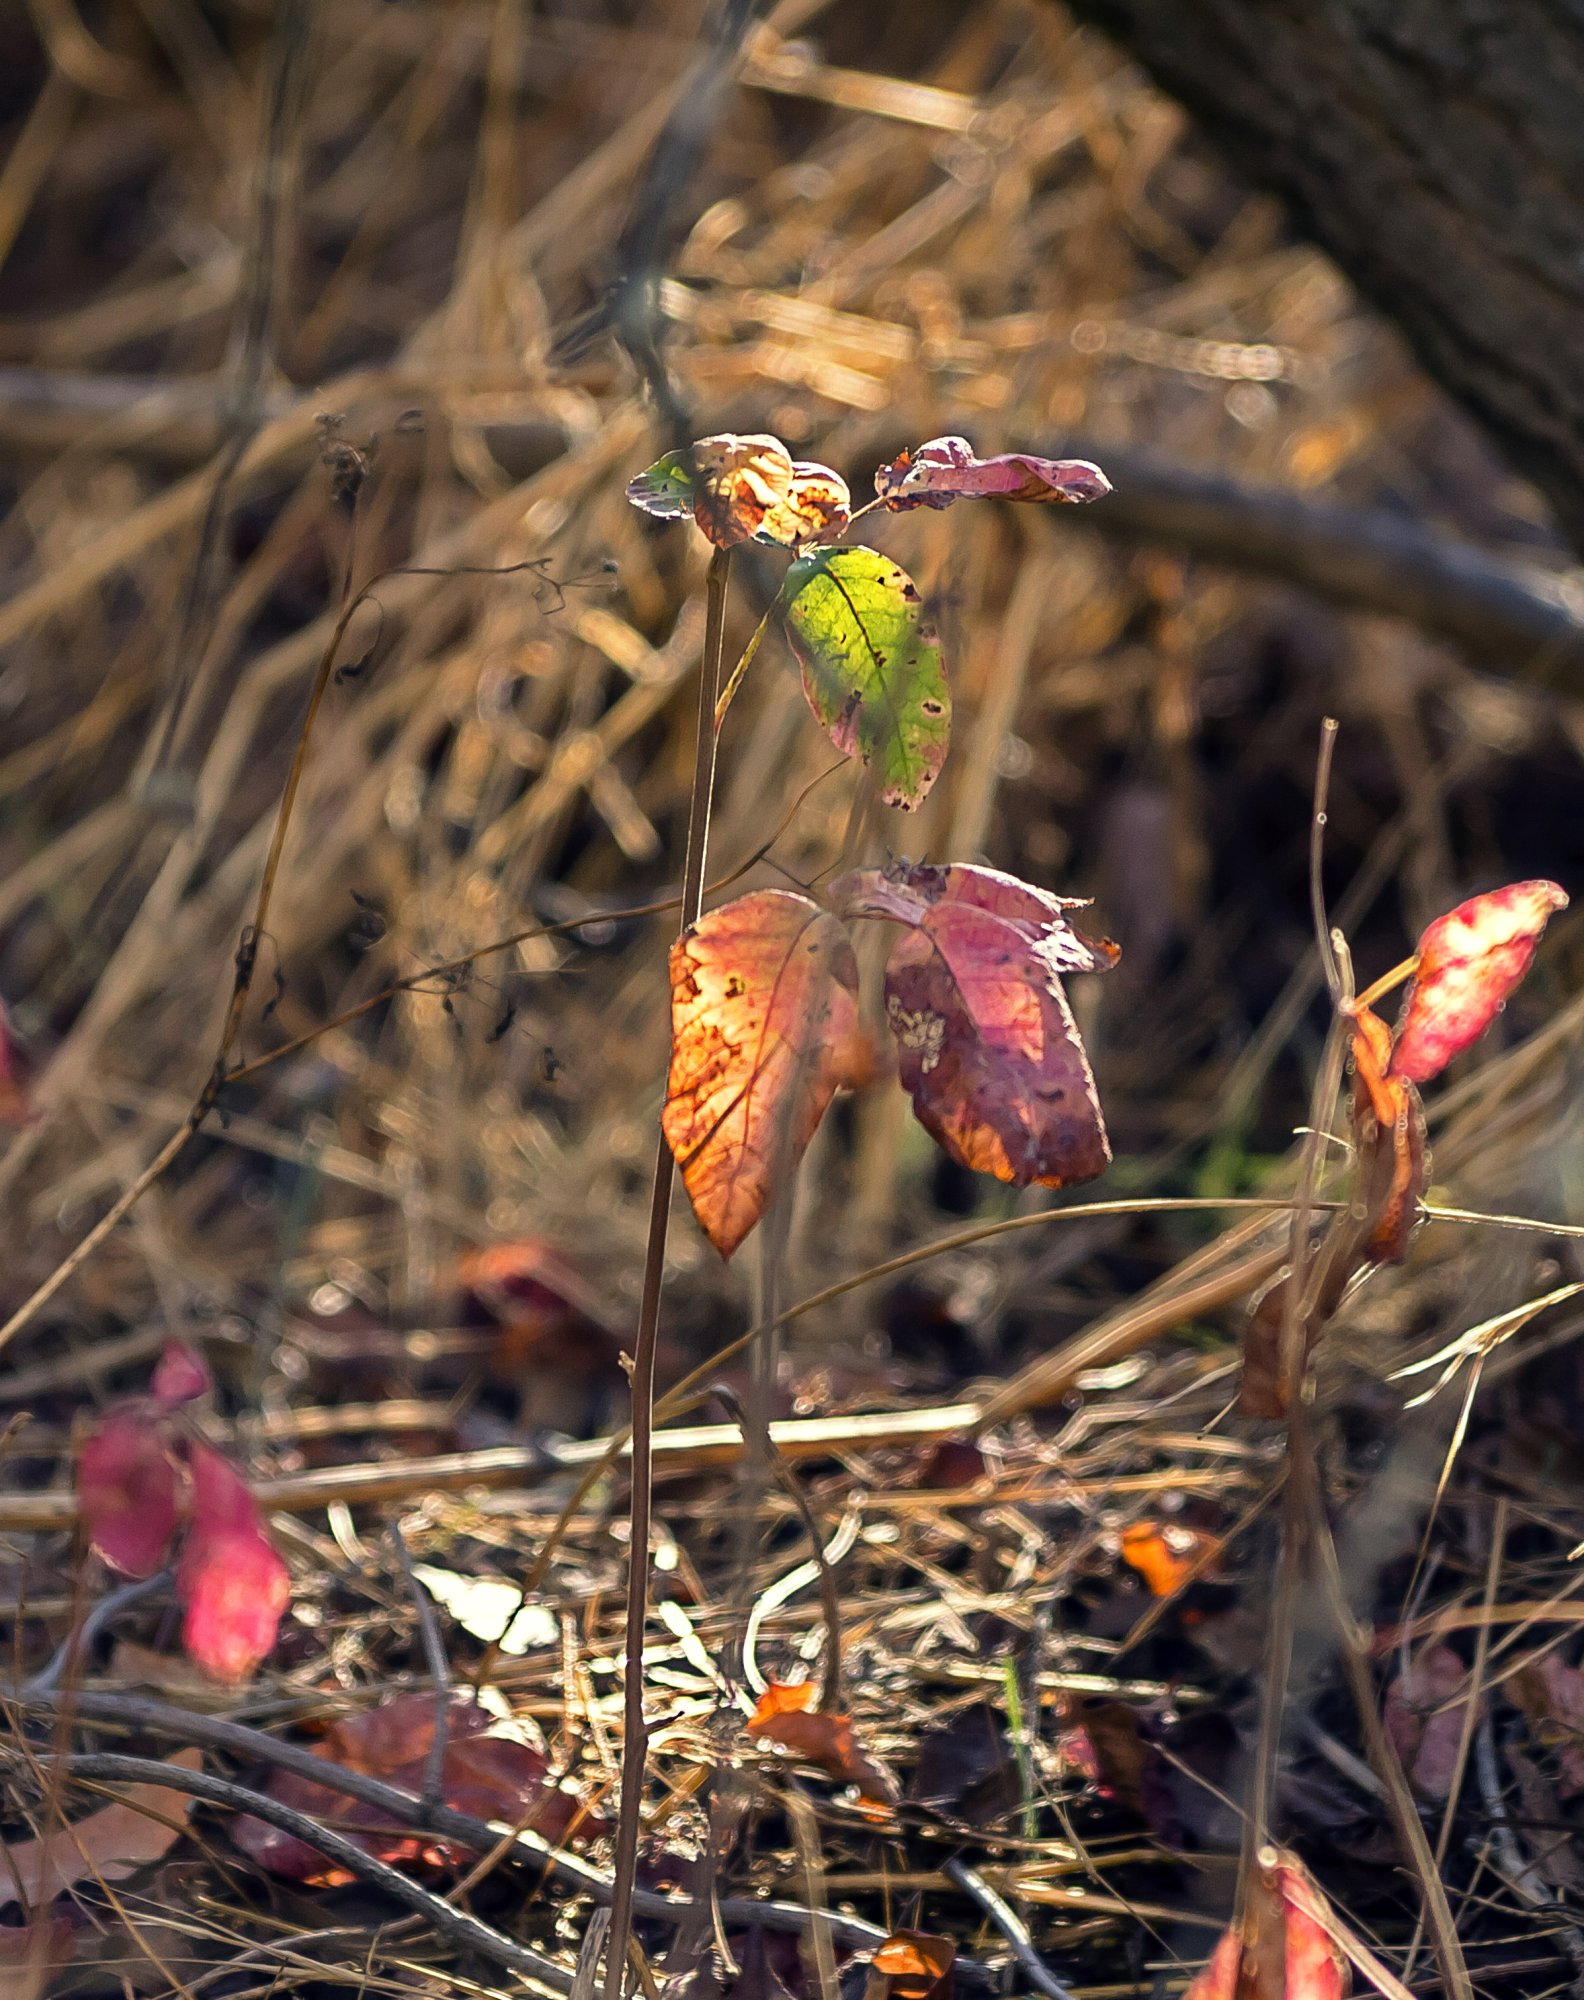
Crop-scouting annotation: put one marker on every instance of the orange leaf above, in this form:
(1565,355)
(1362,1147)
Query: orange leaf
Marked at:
(1469,961)
(1388,1124)
(1166,1556)
(763,1019)
(786,1717)
(911,1965)
(140,1828)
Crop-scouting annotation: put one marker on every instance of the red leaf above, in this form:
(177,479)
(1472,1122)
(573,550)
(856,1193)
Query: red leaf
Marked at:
(1469,961)
(1282,1950)
(234,1585)
(786,1716)
(485,1771)
(1426,1735)
(987,1046)
(763,1022)
(946,469)
(128,1490)
(179,1376)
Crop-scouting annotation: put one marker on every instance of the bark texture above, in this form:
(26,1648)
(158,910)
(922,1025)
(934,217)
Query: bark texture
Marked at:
(1435,148)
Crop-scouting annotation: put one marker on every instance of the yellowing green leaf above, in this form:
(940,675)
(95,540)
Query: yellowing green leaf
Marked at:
(871,666)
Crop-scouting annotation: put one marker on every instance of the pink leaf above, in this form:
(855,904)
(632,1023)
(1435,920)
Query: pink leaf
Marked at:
(987,1047)
(31,1955)
(128,1490)
(946,469)
(234,1585)
(179,1376)
(1469,962)
(1283,1949)
(1426,1735)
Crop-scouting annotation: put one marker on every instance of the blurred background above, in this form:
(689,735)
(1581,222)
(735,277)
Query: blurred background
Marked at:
(292,293)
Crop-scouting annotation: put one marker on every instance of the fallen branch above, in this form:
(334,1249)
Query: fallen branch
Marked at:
(568,1871)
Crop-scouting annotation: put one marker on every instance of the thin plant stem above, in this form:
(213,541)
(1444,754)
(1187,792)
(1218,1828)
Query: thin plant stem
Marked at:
(635,1741)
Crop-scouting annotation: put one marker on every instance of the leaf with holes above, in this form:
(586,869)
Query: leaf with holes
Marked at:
(742,489)
(987,1046)
(1469,962)
(764,1023)
(871,666)
(947,469)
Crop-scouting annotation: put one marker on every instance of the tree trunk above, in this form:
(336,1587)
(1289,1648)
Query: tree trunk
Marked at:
(1435,148)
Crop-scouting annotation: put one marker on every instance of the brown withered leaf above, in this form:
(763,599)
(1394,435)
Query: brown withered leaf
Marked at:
(1391,1173)
(764,1026)
(787,1717)
(139,1829)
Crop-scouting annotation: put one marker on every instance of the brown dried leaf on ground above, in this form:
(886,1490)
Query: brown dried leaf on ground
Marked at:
(487,1770)
(140,1828)
(787,1717)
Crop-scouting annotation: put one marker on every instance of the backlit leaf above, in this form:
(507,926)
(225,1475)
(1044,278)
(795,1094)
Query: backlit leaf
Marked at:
(871,666)
(1167,1555)
(1469,962)
(742,489)
(140,1828)
(817,503)
(987,1046)
(233,1584)
(912,1965)
(128,1490)
(763,1023)
(947,469)
(665,489)
(738,483)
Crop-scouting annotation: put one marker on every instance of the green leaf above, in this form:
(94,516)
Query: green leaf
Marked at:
(871,666)
(666,488)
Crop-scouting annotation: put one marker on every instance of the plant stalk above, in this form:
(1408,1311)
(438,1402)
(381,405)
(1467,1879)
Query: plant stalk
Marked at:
(635,1740)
